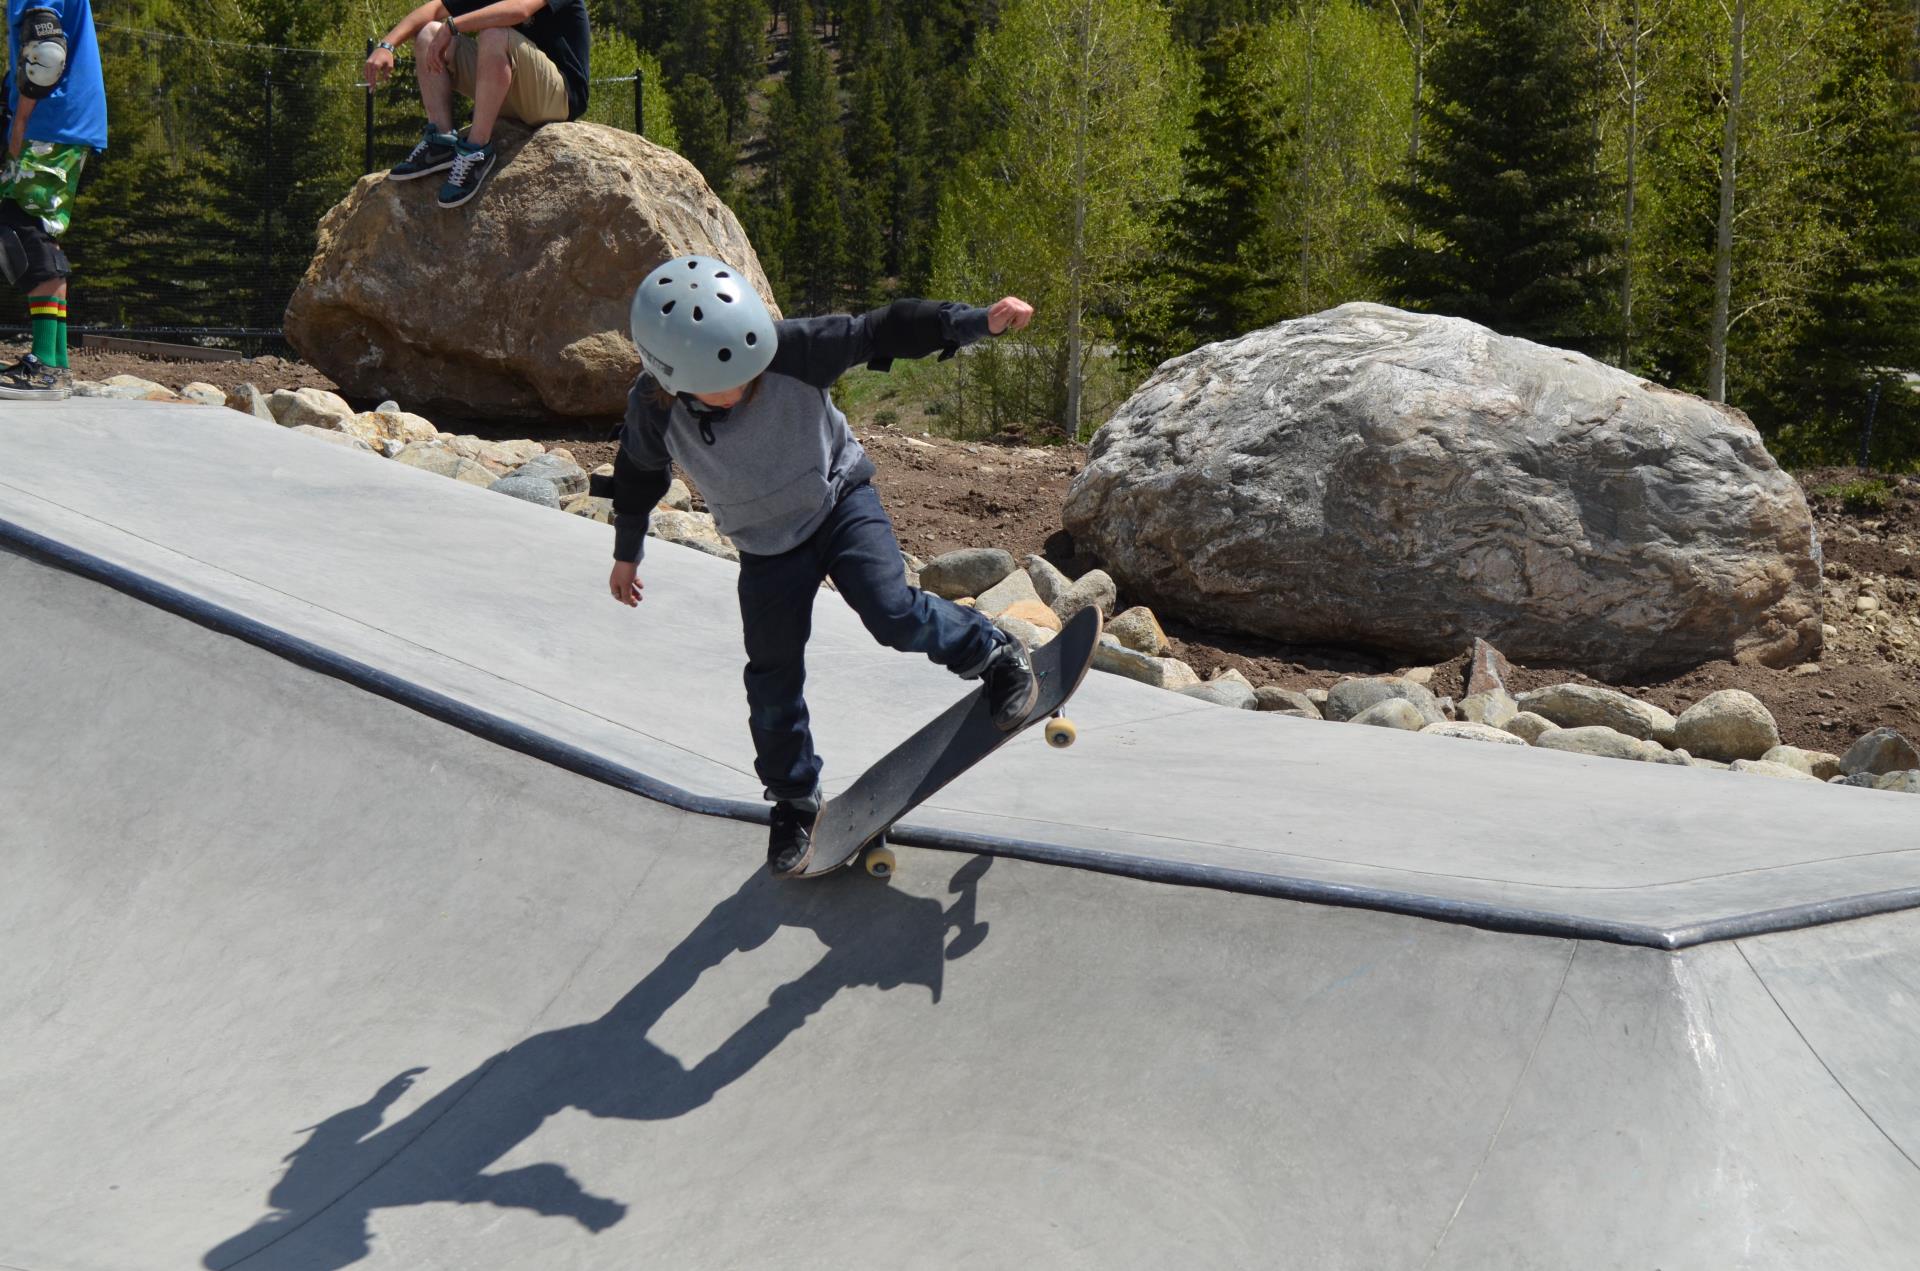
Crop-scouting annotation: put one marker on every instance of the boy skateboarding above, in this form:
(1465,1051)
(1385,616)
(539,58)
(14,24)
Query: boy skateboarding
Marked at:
(741,402)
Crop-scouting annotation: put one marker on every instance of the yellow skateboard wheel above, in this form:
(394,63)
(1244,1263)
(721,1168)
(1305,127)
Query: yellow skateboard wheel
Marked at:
(1060,733)
(880,862)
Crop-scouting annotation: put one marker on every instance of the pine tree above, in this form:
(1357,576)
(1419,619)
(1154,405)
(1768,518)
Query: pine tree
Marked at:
(1863,337)
(871,156)
(804,183)
(267,185)
(694,36)
(861,27)
(1214,275)
(700,119)
(1506,197)
(912,196)
(739,59)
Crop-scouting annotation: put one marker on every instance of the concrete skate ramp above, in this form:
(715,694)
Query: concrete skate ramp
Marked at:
(493,613)
(297,977)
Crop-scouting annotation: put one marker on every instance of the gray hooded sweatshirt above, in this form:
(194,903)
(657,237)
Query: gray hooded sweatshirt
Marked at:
(773,467)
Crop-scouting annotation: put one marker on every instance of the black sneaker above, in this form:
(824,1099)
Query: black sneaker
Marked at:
(31,380)
(790,835)
(470,167)
(1010,686)
(435,153)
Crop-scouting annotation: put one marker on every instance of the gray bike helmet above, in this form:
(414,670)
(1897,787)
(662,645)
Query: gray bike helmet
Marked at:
(700,327)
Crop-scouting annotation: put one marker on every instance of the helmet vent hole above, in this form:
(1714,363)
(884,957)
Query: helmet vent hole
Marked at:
(724,297)
(697,315)
(693,286)
(726,355)
(693,264)
(668,307)
(723,274)
(752,339)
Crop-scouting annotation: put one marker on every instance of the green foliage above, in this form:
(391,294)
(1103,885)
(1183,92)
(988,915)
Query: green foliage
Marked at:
(1199,23)
(1300,121)
(1868,496)
(931,148)
(739,59)
(1339,76)
(1216,272)
(806,180)
(615,57)
(1087,103)
(1863,315)
(700,118)
(1506,198)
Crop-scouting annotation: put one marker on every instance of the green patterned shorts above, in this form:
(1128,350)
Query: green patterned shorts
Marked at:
(44,180)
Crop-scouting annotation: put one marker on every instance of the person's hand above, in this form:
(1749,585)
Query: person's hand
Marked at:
(379,66)
(440,56)
(1009,314)
(625,583)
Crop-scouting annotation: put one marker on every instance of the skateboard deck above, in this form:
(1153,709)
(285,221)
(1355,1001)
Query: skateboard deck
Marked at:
(961,737)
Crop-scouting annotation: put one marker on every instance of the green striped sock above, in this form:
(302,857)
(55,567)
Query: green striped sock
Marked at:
(49,328)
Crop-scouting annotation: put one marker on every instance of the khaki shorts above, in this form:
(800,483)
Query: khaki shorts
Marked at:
(538,94)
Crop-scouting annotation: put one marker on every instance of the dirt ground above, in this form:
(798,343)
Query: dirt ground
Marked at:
(945,495)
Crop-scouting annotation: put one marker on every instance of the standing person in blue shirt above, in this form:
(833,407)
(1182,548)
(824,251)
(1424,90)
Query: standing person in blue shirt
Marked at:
(57,116)
(525,59)
(742,402)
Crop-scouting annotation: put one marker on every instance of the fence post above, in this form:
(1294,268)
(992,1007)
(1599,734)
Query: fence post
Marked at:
(639,102)
(369,159)
(266,203)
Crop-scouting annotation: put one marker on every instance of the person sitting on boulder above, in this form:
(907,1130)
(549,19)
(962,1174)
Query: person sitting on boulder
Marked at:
(742,402)
(525,59)
(58,104)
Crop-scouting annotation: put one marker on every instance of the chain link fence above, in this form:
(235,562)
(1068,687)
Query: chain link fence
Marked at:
(199,220)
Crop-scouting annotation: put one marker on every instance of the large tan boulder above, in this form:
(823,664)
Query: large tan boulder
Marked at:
(1408,482)
(514,305)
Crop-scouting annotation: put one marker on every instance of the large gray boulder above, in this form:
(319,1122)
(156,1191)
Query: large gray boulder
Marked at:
(1410,482)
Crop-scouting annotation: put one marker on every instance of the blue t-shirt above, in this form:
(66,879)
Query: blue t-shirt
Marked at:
(75,112)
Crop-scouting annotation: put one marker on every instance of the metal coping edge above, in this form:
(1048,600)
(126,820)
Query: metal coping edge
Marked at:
(538,745)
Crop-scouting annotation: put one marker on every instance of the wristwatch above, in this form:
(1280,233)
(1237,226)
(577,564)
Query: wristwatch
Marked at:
(388,47)
(450,26)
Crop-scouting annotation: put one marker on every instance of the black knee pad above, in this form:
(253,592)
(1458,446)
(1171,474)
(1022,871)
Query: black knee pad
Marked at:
(28,254)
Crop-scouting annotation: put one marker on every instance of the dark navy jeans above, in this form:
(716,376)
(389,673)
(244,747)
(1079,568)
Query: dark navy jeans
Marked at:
(856,548)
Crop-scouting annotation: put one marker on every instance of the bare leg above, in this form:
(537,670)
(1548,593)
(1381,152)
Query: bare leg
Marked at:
(490,83)
(56,288)
(436,82)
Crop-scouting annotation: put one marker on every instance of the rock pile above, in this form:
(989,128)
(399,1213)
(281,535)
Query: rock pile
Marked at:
(1729,730)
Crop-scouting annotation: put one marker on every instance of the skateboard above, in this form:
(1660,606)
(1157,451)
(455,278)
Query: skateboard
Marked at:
(853,824)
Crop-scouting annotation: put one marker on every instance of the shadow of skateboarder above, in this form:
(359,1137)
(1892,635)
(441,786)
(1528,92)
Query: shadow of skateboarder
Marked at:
(350,1165)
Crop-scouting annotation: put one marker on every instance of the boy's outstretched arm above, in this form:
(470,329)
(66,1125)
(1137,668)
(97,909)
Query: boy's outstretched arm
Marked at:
(642,472)
(819,351)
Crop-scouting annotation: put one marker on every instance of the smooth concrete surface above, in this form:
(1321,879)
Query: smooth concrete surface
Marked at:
(294,977)
(502,605)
